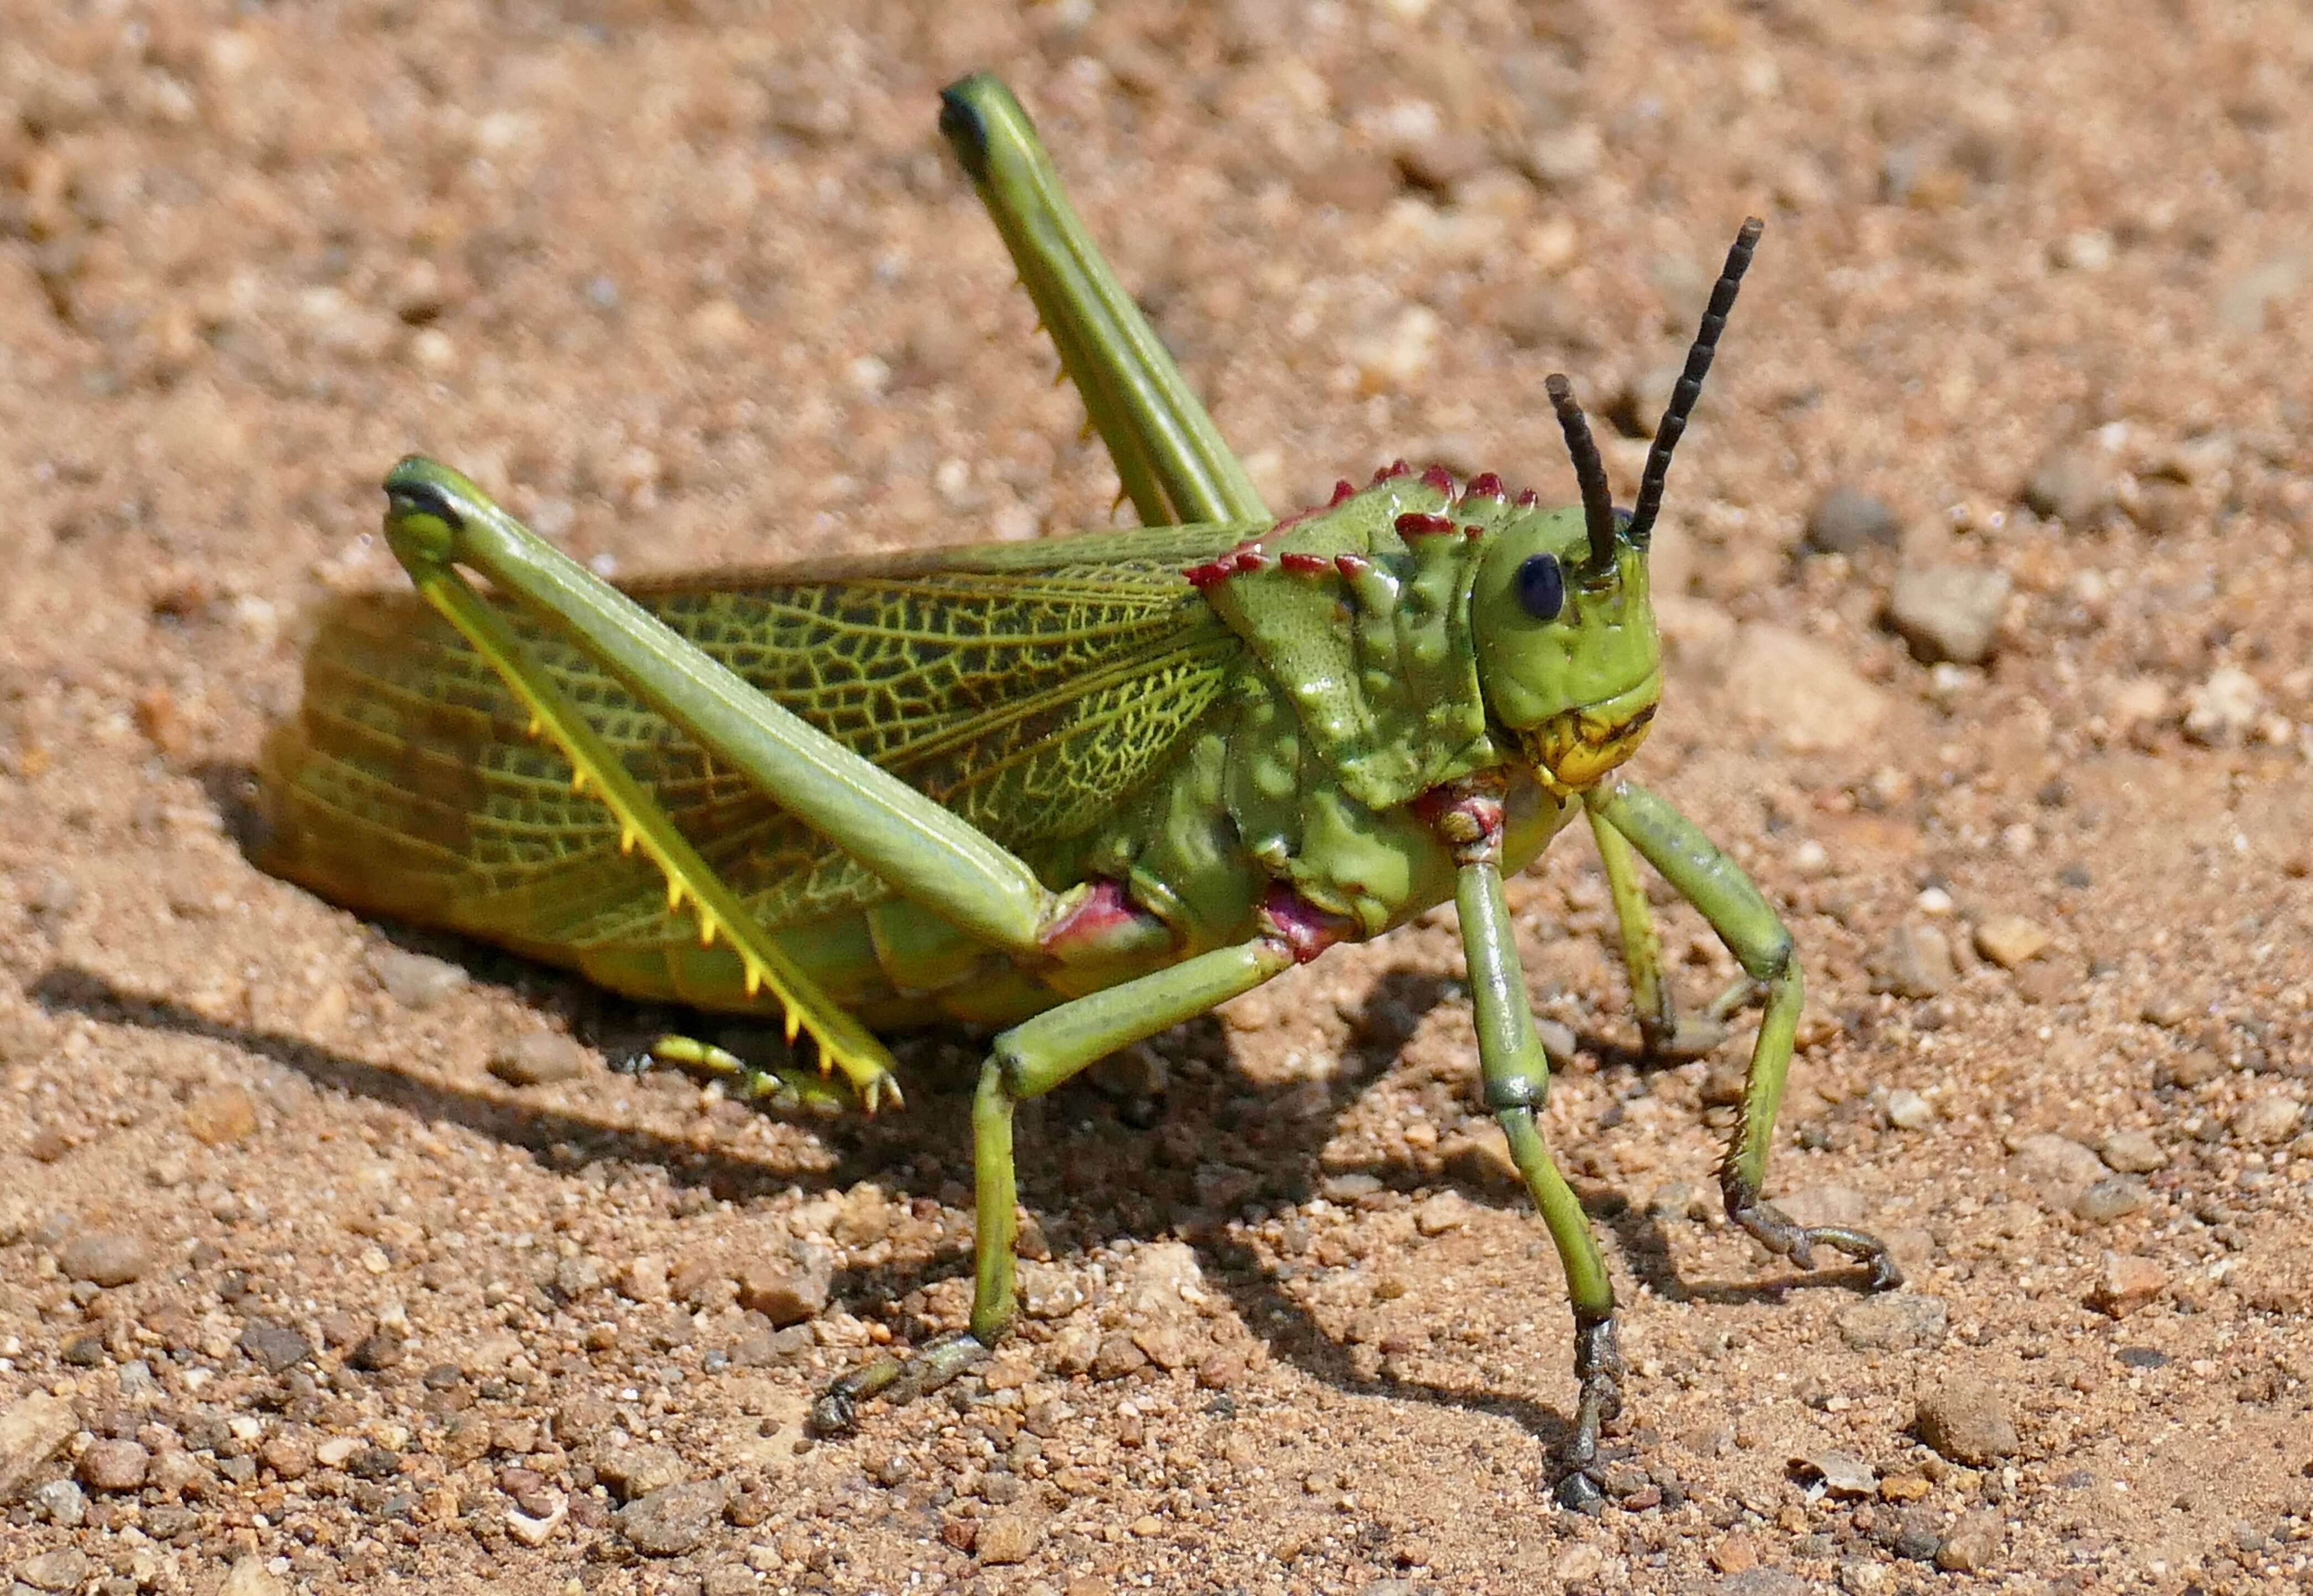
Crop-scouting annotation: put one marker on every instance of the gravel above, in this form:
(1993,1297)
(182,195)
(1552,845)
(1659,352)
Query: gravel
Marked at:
(113,1466)
(275,1348)
(2126,1283)
(2133,1152)
(1803,693)
(31,1430)
(1968,1421)
(2071,484)
(221,1116)
(540,1058)
(1907,1109)
(2010,941)
(2056,1167)
(1893,1321)
(105,1256)
(1006,1538)
(1847,519)
(2267,1121)
(62,1569)
(1915,961)
(1949,612)
(669,1523)
(2114,1196)
(415,980)
(634,1471)
(791,1290)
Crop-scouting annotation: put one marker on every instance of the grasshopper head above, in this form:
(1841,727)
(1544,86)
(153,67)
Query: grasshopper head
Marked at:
(1568,657)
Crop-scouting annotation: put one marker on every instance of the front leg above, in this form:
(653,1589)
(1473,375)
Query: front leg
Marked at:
(1663,1032)
(1748,926)
(1517,1076)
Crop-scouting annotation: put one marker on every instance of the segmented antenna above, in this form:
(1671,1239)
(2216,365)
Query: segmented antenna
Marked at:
(1589,470)
(1689,383)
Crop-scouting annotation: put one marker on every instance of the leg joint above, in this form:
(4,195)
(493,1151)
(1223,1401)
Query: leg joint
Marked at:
(1771,960)
(1508,1092)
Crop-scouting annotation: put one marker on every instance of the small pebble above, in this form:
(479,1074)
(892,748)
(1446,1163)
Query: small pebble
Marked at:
(334,1452)
(2127,1282)
(1165,1346)
(1915,961)
(274,1346)
(1824,1204)
(2010,940)
(1949,612)
(1973,1542)
(1842,1474)
(1968,1421)
(2224,709)
(637,1471)
(644,1279)
(669,1523)
(62,1569)
(2115,1196)
(113,1466)
(288,1456)
(105,1257)
(62,1502)
(2056,1167)
(1447,1211)
(2267,1121)
(1908,1110)
(414,980)
(2133,1152)
(1118,1356)
(1893,1322)
(1006,1538)
(1847,519)
(539,1058)
(788,1291)
(221,1116)
(2071,484)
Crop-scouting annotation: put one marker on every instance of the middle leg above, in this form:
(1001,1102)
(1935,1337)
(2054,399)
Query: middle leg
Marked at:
(1028,1061)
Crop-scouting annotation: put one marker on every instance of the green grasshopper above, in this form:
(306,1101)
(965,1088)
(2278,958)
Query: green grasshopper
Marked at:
(1079,790)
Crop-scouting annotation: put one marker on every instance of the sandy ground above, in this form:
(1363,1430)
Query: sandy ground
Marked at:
(295,1293)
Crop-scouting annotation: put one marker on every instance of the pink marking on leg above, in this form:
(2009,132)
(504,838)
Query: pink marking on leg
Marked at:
(1440,479)
(1304,929)
(1467,814)
(1418,523)
(1396,468)
(1342,493)
(1105,923)
(1485,485)
(1305,564)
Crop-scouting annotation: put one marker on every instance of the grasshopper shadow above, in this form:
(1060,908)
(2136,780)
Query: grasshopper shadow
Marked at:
(1093,1168)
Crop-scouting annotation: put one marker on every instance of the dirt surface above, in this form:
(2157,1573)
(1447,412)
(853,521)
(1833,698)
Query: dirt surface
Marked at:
(297,1293)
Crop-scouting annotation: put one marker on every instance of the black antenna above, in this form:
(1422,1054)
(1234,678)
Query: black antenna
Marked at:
(1589,470)
(1689,383)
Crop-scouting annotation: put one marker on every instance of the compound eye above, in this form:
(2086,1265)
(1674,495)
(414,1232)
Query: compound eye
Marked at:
(1540,586)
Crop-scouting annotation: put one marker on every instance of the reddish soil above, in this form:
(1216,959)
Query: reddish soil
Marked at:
(296,1295)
